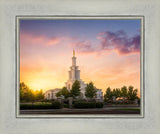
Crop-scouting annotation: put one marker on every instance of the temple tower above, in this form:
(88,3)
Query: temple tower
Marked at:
(74,73)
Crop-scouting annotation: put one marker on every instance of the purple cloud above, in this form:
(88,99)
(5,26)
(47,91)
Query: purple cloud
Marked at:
(84,46)
(117,41)
(120,42)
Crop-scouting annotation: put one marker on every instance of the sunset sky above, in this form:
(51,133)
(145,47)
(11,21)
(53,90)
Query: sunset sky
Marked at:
(107,51)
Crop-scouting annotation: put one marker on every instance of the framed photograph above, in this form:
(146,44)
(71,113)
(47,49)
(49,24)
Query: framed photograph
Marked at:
(79,67)
(101,44)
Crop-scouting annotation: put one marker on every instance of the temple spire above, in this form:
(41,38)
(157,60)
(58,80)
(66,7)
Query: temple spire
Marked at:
(73,59)
(73,53)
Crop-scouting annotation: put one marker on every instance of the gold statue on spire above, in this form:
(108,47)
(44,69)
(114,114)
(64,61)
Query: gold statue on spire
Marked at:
(73,53)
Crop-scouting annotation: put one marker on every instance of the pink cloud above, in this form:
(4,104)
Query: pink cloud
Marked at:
(53,41)
(83,46)
(38,40)
(107,41)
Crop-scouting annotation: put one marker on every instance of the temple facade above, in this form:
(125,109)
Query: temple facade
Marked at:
(74,74)
(51,94)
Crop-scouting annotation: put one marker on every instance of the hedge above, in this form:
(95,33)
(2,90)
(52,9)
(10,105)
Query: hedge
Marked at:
(54,105)
(88,105)
(66,106)
(99,104)
(35,106)
(57,105)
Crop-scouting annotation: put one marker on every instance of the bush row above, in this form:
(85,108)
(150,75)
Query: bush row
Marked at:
(66,105)
(57,105)
(88,105)
(125,102)
(54,105)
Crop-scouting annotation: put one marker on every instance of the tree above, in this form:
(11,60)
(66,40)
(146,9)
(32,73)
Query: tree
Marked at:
(63,92)
(39,95)
(58,94)
(132,93)
(31,96)
(24,92)
(124,91)
(90,90)
(108,95)
(22,86)
(116,92)
(75,91)
(28,95)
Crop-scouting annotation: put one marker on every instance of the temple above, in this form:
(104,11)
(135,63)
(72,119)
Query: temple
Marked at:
(73,74)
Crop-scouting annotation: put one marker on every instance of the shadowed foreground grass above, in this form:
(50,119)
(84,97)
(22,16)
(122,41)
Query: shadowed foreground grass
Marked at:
(134,109)
(84,111)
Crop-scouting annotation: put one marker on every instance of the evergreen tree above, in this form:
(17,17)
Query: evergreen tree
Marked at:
(75,91)
(108,95)
(90,90)
(118,92)
(132,93)
(63,92)
(114,92)
(124,91)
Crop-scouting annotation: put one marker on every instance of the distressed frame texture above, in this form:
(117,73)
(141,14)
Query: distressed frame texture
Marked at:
(9,124)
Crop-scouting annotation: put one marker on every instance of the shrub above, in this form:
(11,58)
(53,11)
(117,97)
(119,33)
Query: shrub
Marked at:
(35,106)
(56,105)
(65,101)
(139,101)
(84,105)
(45,100)
(88,105)
(92,100)
(66,106)
(99,105)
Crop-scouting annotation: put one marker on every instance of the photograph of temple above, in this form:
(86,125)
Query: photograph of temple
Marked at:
(80,66)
